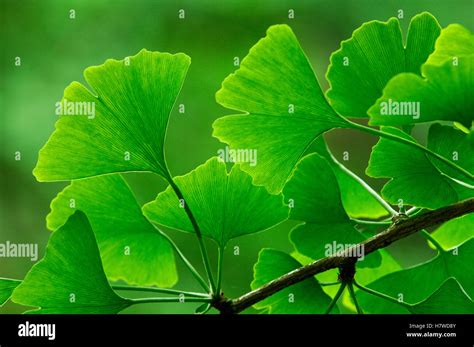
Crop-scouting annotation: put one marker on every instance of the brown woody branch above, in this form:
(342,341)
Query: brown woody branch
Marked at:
(400,229)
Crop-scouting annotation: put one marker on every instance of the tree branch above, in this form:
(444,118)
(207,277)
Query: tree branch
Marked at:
(400,229)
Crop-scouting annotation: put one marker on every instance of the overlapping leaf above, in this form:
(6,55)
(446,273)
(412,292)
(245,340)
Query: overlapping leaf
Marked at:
(416,178)
(455,41)
(302,298)
(455,231)
(70,278)
(455,145)
(314,193)
(444,92)
(131,248)
(225,205)
(7,286)
(450,298)
(126,132)
(286,108)
(417,283)
(357,201)
(364,64)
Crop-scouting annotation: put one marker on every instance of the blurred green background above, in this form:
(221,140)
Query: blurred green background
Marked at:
(55,49)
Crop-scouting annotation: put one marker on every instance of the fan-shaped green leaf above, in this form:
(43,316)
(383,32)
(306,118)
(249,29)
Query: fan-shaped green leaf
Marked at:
(443,93)
(225,205)
(450,298)
(127,129)
(364,64)
(286,108)
(454,41)
(70,278)
(415,178)
(415,284)
(131,248)
(302,298)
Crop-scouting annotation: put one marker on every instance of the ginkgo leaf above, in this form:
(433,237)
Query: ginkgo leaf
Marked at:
(415,284)
(131,248)
(357,201)
(450,298)
(454,41)
(70,278)
(225,205)
(7,285)
(444,92)
(306,297)
(313,196)
(416,180)
(455,231)
(453,144)
(126,130)
(364,64)
(286,109)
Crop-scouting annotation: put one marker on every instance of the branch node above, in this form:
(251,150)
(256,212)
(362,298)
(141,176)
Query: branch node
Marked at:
(223,304)
(347,270)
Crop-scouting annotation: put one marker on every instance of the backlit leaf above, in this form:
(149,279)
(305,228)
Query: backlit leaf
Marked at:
(286,108)
(132,104)
(450,298)
(416,283)
(225,205)
(313,195)
(375,53)
(70,278)
(443,92)
(131,248)
(415,177)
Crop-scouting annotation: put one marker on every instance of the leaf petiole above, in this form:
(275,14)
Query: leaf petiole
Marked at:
(381,295)
(336,298)
(185,260)
(160,290)
(413,211)
(202,246)
(220,260)
(354,298)
(159,299)
(371,222)
(369,189)
(401,140)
